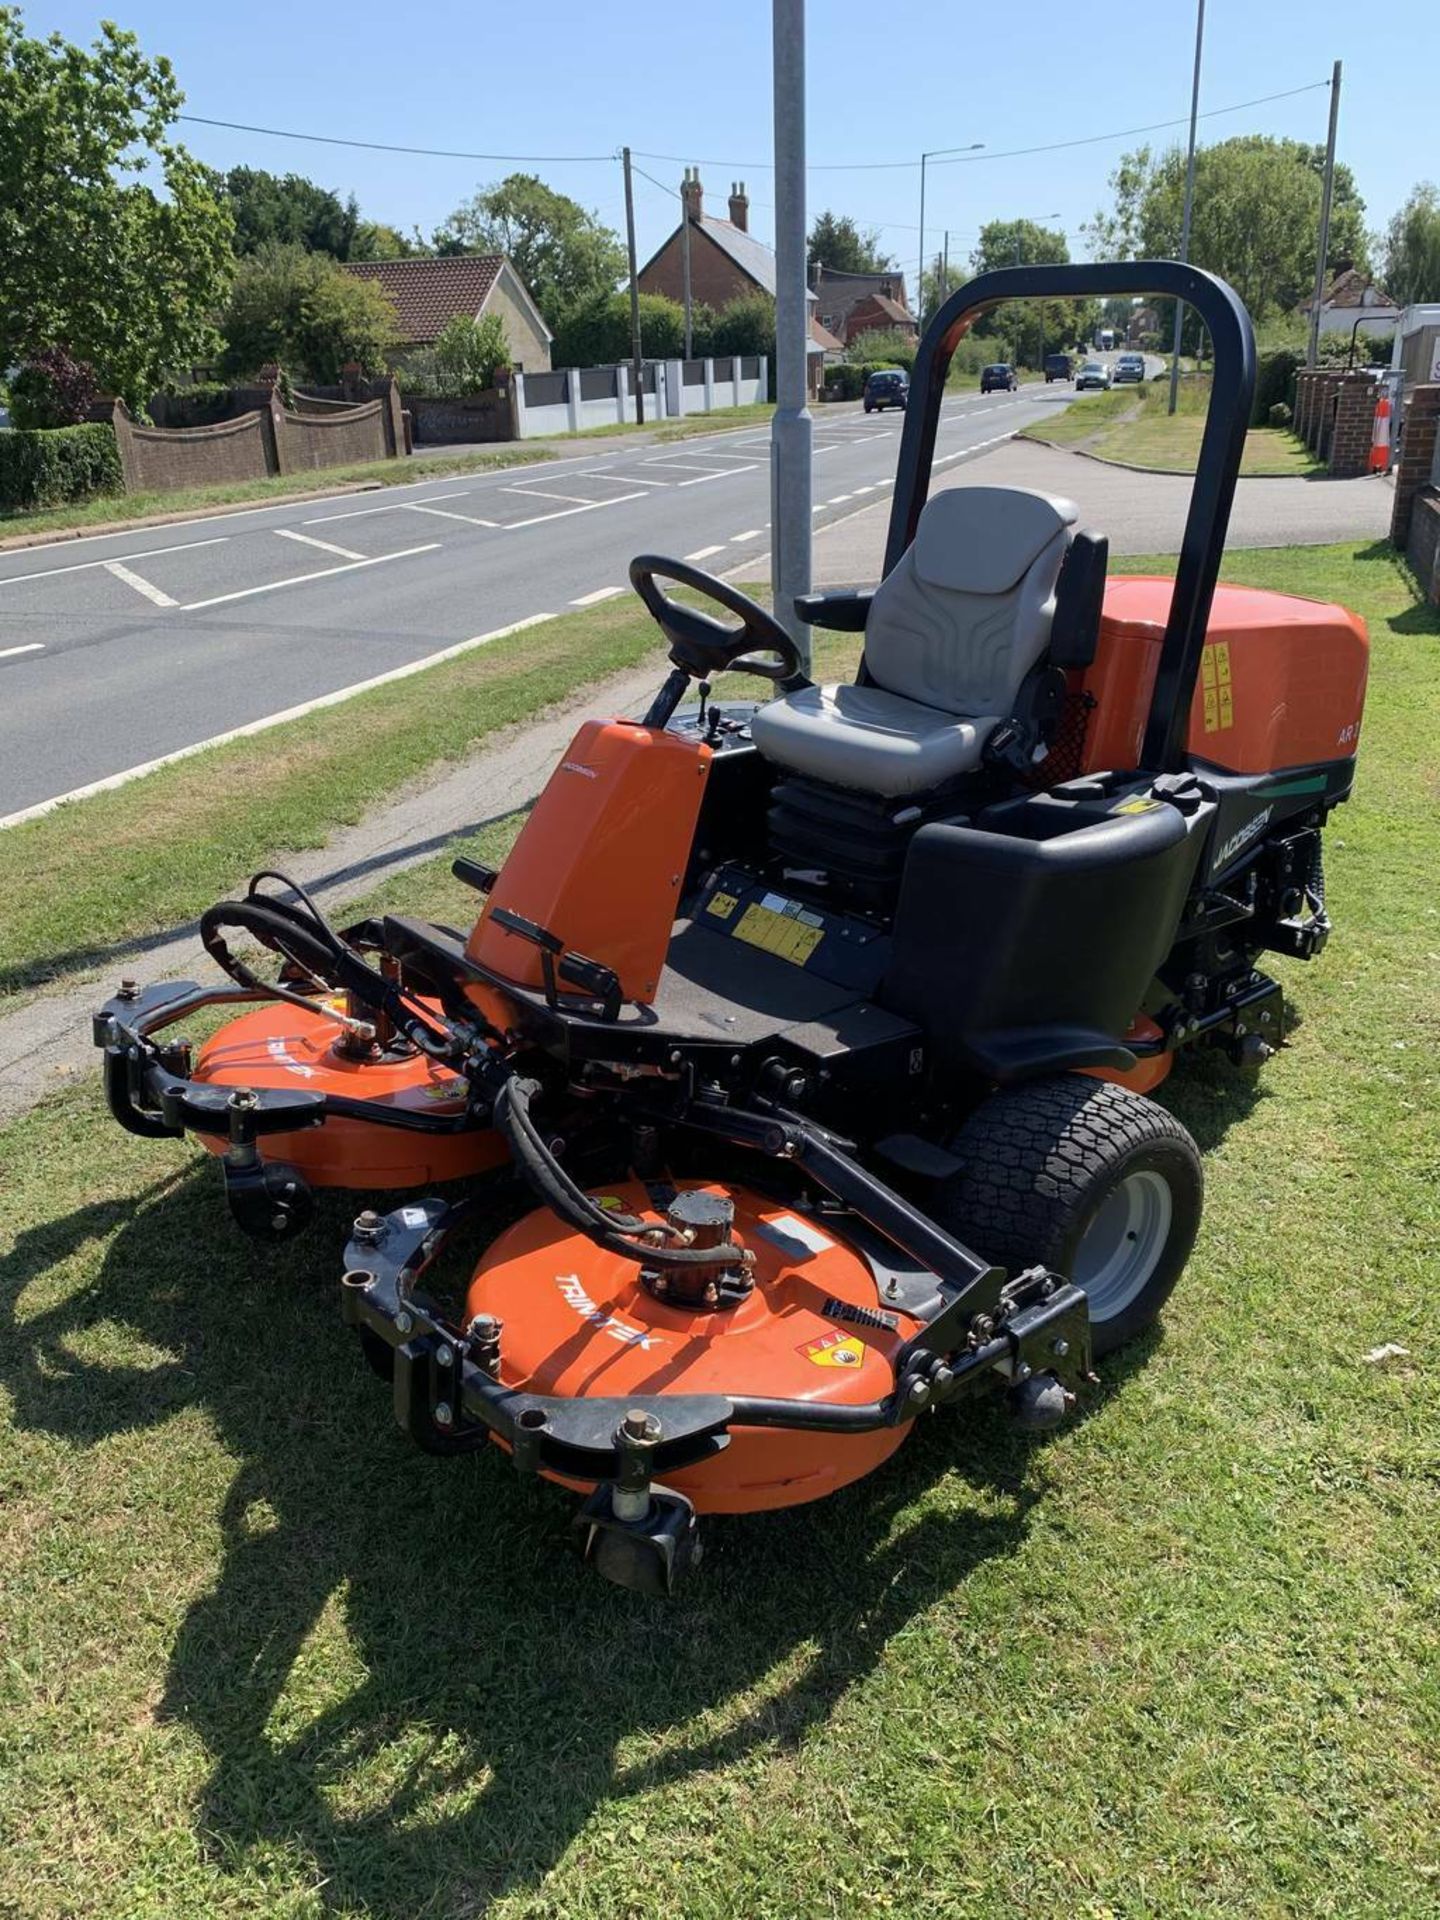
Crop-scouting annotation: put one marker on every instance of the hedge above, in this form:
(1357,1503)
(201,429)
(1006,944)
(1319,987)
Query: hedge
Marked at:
(49,466)
(1275,370)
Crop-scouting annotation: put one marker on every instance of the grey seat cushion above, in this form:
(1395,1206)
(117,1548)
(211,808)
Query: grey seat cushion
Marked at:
(866,738)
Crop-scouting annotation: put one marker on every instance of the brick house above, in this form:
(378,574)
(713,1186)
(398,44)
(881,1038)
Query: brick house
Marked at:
(1351,298)
(429,292)
(848,304)
(727,263)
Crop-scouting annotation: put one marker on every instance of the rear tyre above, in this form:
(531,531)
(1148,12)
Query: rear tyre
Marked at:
(1089,1179)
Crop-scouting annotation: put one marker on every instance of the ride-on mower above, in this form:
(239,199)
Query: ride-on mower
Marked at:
(817,1035)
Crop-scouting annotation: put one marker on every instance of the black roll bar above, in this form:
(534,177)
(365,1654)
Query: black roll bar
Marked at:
(1232,391)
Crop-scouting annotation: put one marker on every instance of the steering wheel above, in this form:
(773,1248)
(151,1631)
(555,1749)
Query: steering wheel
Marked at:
(700,644)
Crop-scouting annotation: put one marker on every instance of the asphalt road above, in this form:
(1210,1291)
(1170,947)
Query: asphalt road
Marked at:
(119,649)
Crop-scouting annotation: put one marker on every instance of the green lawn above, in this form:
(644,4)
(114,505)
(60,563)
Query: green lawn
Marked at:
(191,500)
(1131,424)
(1183,1660)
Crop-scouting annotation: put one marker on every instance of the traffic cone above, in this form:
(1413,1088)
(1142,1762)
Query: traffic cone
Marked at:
(1380,435)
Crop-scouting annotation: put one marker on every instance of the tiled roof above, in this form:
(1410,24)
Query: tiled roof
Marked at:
(427,293)
(891,308)
(1351,288)
(752,256)
(824,339)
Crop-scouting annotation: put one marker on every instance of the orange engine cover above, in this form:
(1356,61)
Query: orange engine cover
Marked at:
(578,1320)
(601,860)
(280,1045)
(1282,680)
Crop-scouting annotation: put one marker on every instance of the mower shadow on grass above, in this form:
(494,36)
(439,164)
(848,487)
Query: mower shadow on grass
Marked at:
(483,1696)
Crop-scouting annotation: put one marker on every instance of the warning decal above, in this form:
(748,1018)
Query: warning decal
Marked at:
(1215,688)
(834,1350)
(783,934)
(722,905)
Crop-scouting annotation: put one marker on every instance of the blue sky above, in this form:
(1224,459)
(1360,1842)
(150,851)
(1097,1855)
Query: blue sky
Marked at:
(883,84)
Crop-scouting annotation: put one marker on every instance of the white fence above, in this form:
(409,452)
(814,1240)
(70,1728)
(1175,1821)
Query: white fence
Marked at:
(577,398)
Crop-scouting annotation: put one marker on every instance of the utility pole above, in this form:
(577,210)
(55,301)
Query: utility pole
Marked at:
(637,363)
(791,431)
(685,260)
(1189,201)
(975,146)
(945,268)
(1327,194)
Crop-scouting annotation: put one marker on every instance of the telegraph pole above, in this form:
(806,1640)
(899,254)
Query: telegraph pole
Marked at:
(1327,195)
(1189,201)
(685,262)
(637,363)
(791,431)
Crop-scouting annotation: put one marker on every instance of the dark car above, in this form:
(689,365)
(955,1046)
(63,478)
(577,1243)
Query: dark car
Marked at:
(1094,374)
(888,388)
(998,379)
(1058,366)
(1129,366)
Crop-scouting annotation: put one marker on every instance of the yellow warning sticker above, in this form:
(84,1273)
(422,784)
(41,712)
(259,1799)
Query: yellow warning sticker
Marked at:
(1227,708)
(834,1350)
(722,905)
(778,933)
(1140,804)
(1222,662)
(444,1090)
(1207,666)
(1216,694)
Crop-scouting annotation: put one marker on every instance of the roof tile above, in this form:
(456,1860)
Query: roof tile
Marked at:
(429,292)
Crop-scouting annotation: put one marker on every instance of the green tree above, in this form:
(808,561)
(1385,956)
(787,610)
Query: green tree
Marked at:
(744,326)
(1412,248)
(564,255)
(271,209)
(843,247)
(123,272)
(597,333)
(468,352)
(1029,328)
(378,240)
(306,314)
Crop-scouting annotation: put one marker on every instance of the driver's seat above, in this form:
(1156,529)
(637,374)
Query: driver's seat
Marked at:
(950,636)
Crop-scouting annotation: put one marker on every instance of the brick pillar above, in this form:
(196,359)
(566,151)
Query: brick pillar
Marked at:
(1354,427)
(1417,456)
(1325,414)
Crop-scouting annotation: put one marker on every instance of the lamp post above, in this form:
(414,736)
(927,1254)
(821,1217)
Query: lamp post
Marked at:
(935,153)
(791,429)
(1189,199)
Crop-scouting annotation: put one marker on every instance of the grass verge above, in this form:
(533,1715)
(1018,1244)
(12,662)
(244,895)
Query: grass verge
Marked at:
(1131,424)
(759,413)
(193,500)
(1178,1663)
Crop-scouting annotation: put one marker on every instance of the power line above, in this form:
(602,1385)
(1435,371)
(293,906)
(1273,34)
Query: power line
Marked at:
(381,146)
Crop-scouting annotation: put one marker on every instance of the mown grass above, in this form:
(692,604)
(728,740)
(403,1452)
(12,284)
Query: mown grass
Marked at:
(262,1657)
(1132,424)
(162,505)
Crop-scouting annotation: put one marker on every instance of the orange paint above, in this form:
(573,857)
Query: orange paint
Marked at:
(1148,1071)
(578,1321)
(1282,680)
(283,1046)
(601,860)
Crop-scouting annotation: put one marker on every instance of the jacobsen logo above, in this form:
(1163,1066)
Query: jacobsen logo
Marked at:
(578,766)
(575,1294)
(1243,838)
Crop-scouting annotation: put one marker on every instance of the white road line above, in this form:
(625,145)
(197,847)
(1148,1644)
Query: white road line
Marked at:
(390,506)
(539,493)
(701,478)
(750,533)
(440,513)
(324,573)
(624,479)
(600,593)
(113,780)
(325,546)
(539,519)
(122,572)
(869,489)
(82,566)
(703,553)
(838,498)
(34,646)
(834,447)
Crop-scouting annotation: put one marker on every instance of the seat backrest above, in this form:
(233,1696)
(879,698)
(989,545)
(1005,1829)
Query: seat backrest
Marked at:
(966,614)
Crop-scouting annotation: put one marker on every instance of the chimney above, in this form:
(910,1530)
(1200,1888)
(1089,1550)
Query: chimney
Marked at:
(739,207)
(692,194)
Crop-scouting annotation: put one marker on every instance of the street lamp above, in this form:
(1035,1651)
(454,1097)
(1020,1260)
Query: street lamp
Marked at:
(935,153)
(1189,199)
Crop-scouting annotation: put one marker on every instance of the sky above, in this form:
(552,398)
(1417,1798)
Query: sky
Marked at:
(882,84)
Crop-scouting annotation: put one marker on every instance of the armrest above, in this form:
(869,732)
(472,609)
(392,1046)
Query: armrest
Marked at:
(844,612)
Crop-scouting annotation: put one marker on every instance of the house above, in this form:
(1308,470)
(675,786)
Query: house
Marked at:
(1353,300)
(848,304)
(727,263)
(428,293)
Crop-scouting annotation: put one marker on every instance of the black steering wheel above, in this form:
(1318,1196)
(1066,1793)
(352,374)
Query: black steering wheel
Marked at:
(703,646)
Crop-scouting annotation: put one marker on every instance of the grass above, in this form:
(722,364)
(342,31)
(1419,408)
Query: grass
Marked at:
(1181,1661)
(1131,424)
(160,505)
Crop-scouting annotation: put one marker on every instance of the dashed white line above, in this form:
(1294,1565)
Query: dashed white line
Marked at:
(134,580)
(440,513)
(309,540)
(564,513)
(83,566)
(600,593)
(33,646)
(750,533)
(539,493)
(324,573)
(836,499)
(390,506)
(704,553)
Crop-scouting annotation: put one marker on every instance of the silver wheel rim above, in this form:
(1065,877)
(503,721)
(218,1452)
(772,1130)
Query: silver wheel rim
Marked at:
(1122,1246)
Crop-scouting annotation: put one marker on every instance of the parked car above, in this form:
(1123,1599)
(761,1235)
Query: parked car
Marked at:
(888,388)
(998,379)
(1129,366)
(1058,366)
(1094,373)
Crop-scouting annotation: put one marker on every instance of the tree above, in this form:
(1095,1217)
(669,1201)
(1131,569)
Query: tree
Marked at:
(745,326)
(378,240)
(274,210)
(53,390)
(1412,248)
(564,255)
(122,273)
(841,247)
(1027,327)
(306,314)
(597,333)
(468,352)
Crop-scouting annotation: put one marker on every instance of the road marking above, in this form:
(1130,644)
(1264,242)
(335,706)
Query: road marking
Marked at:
(869,489)
(750,533)
(624,479)
(390,506)
(600,593)
(122,572)
(539,493)
(440,513)
(704,553)
(34,646)
(838,498)
(539,519)
(324,573)
(83,566)
(113,780)
(325,546)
